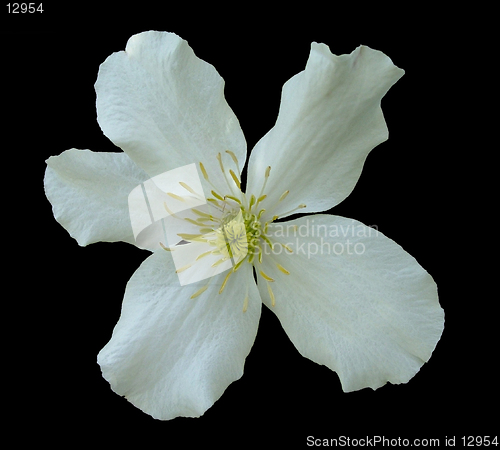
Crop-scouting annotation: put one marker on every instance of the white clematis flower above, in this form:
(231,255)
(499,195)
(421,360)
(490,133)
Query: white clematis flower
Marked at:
(347,296)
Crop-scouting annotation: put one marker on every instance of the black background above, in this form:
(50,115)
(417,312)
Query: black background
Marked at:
(66,299)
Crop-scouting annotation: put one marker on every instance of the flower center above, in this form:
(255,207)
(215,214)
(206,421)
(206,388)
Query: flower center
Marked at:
(232,226)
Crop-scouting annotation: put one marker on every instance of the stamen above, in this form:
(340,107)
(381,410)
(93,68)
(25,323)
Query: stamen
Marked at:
(220,261)
(217,196)
(238,265)
(203,221)
(203,171)
(266,176)
(235,178)
(194,222)
(188,188)
(252,201)
(302,205)
(183,268)
(214,202)
(280,267)
(233,156)
(203,255)
(177,197)
(283,196)
(204,216)
(192,237)
(188,236)
(200,291)
(245,304)
(236,199)
(249,225)
(219,158)
(169,210)
(266,277)
(271,294)
(267,240)
(165,248)
(225,281)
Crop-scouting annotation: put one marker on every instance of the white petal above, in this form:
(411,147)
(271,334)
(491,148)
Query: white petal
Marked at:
(357,302)
(172,355)
(89,191)
(164,106)
(329,120)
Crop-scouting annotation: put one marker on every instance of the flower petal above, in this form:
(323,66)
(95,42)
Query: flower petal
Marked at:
(164,106)
(89,191)
(354,301)
(172,355)
(329,120)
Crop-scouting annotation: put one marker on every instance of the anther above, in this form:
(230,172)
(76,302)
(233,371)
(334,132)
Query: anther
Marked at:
(235,178)
(266,277)
(232,155)
(188,188)
(219,262)
(192,237)
(302,205)
(194,222)
(219,158)
(252,202)
(236,199)
(202,255)
(183,268)
(266,176)
(225,281)
(238,264)
(177,197)
(271,294)
(268,241)
(282,269)
(165,248)
(169,210)
(203,171)
(199,291)
(204,215)
(283,196)
(217,196)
